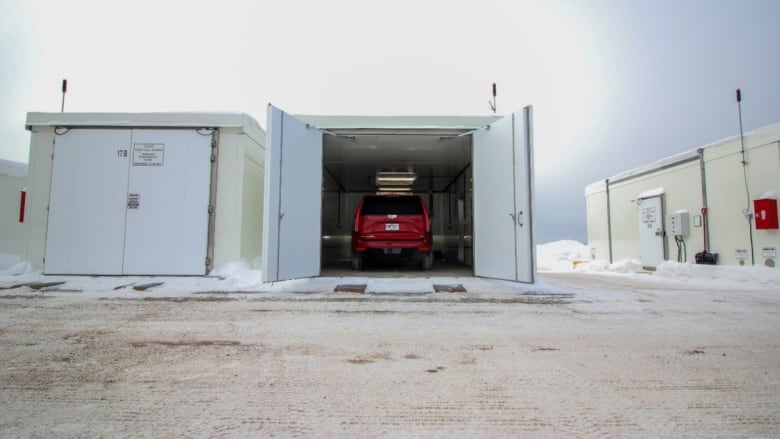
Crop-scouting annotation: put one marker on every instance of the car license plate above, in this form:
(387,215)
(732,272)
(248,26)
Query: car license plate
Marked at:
(391,227)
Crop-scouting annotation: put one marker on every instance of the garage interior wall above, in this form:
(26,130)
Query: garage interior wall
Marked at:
(680,179)
(13,235)
(351,161)
(239,156)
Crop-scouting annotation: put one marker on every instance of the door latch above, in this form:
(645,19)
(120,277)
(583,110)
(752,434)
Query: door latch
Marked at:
(517,218)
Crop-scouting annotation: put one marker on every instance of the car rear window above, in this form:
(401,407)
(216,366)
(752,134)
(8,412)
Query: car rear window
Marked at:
(392,206)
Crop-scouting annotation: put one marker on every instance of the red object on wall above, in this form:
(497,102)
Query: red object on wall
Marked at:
(766,213)
(22,202)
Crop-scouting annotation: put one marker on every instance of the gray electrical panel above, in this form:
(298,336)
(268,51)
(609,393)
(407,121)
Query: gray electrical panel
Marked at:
(677,224)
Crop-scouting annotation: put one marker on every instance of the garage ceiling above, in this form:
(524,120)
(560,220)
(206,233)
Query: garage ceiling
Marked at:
(434,155)
(396,142)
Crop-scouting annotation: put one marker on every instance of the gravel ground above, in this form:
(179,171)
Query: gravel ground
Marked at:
(589,356)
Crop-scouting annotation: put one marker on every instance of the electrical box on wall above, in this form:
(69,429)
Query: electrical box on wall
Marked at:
(766,213)
(677,224)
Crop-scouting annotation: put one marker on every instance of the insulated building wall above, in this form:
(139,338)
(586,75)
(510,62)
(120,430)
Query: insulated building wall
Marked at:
(192,200)
(731,189)
(727,200)
(717,177)
(13,234)
(598,211)
(679,189)
(764,180)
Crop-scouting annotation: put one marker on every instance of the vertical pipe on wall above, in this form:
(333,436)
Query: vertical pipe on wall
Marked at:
(704,222)
(746,211)
(22,203)
(609,222)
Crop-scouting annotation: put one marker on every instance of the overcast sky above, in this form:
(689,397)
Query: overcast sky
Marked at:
(615,83)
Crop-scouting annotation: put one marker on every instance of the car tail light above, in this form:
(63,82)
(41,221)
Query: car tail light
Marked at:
(427,219)
(357,218)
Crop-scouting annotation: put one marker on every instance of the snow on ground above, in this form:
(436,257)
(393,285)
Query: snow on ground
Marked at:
(565,256)
(593,349)
(572,256)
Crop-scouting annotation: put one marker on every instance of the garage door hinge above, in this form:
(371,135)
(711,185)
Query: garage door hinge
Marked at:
(208,262)
(213,158)
(213,142)
(211,209)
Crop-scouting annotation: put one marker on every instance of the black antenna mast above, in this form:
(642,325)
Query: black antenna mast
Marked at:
(493,102)
(64,90)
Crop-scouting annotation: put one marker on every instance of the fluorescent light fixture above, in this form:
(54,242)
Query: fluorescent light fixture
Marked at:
(384,177)
(395,189)
(406,180)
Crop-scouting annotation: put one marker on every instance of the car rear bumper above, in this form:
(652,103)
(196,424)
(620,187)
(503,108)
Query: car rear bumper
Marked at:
(361,245)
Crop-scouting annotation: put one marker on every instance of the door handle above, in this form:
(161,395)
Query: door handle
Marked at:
(517,218)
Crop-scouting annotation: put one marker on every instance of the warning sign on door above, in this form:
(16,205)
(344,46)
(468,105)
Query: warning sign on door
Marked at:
(148,154)
(133,201)
(648,216)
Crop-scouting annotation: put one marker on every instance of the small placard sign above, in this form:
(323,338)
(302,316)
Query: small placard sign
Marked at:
(148,154)
(133,201)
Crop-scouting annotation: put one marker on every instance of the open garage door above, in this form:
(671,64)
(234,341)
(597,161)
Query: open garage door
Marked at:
(293,201)
(503,188)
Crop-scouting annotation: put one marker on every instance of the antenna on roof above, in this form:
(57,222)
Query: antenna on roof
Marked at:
(746,211)
(493,102)
(64,90)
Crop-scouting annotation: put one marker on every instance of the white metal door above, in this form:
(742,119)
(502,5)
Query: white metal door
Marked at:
(651,231)
(167,202)
(86,224)
(293,201)
(503,199)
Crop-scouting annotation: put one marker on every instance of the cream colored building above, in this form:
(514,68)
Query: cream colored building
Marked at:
(182,193)
(143,193)
(13,235)
(718,197)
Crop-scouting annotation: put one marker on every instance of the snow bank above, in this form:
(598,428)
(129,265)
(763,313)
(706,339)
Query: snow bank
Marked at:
(240,272)
(13,169)
(723,275)
(7,261)
(572,256)
(624,266)
(11,265)
(567,255)
(561,255)
(651,193)
(558,256)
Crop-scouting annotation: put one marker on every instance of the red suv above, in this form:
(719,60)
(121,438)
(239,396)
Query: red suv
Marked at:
(392,225)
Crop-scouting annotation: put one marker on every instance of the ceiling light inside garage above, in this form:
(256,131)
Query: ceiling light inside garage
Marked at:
(395,189)
(395,178)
